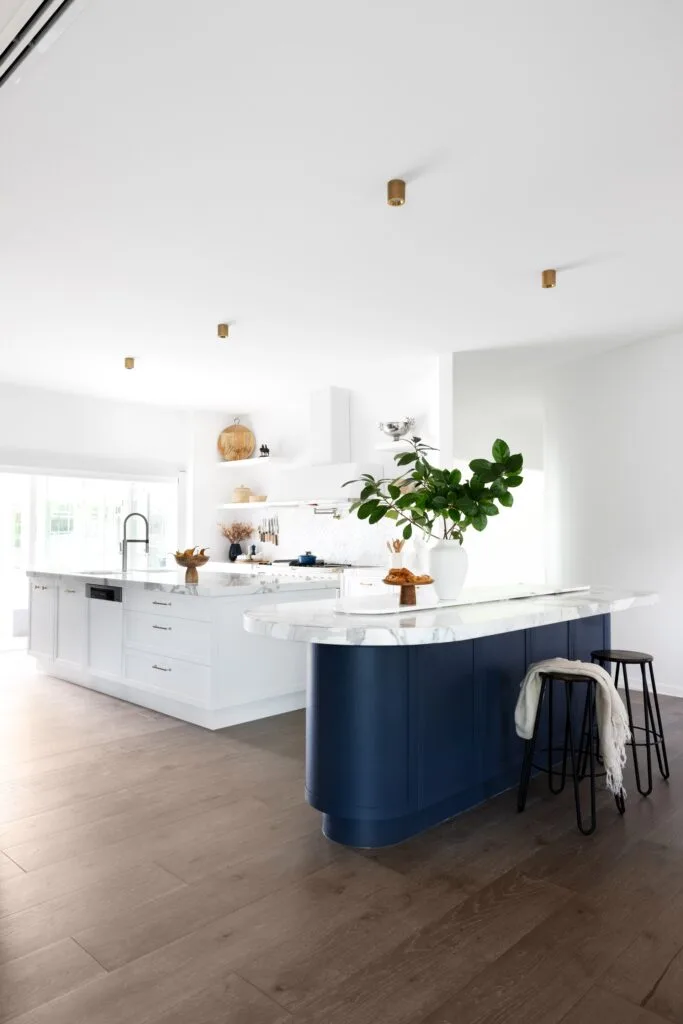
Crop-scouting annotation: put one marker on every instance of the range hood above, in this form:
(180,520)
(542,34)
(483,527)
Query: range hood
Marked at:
(321,483)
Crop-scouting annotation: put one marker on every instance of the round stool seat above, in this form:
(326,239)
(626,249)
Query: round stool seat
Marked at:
(627,657)
(566,677)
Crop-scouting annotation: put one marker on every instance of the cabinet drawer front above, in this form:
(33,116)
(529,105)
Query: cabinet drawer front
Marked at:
(365,587)
(157,602)
(173,637)
(72,588)
(179,680)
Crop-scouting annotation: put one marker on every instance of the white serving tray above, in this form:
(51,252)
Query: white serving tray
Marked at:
(427,600)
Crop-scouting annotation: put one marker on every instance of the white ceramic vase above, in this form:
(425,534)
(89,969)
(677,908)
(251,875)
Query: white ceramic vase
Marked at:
(448,568)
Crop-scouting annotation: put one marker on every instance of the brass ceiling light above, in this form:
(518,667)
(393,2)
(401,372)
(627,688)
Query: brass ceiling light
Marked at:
(223,330)
(548,279)
(129,363)
(396,192)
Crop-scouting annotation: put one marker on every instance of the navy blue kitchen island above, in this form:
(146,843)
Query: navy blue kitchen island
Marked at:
(409,725)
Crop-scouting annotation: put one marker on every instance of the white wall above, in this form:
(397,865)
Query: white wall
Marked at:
(391,391)
(499,393)
(54,431)
(613,434)
(49,429)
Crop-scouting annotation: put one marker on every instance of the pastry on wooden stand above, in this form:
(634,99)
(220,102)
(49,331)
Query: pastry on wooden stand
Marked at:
(407,581)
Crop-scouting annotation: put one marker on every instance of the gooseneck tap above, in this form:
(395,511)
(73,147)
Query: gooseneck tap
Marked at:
(132,540)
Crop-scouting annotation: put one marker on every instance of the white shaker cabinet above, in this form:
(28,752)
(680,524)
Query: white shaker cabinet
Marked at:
(72,618)
(105,638)
(151,639)
(42,608)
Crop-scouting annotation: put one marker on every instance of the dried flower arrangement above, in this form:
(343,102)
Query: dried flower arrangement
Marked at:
(236,532)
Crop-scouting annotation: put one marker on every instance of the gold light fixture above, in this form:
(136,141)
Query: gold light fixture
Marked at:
(223,330)
(129,363)
(548,279)
(396,192)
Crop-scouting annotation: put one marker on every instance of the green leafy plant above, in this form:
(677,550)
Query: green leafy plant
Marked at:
(440,502)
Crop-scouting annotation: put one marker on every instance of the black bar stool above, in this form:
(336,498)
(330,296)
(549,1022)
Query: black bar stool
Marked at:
(581,744)
(653,727)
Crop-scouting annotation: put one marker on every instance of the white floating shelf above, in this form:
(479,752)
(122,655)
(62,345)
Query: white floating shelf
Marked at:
(394,446)
(303,503)
(256,460)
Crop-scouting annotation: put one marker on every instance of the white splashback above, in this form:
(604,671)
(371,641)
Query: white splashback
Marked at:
(348,539)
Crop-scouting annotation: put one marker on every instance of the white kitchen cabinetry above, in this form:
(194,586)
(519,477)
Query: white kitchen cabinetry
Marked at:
(171,678)
(364,582)
(42,607)
(172,637)
(105,638)
(182,654)
(72,622)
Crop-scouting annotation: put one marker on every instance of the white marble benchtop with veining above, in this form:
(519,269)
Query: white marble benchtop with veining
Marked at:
(323,622)
(211,584)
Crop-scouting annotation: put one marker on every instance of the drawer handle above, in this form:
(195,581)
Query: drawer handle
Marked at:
(166,629)
(165,604)
(366,584)
(67,591)
(37,586)
(159,668)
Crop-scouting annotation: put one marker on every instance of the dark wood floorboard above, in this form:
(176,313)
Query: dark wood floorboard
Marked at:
(153,872)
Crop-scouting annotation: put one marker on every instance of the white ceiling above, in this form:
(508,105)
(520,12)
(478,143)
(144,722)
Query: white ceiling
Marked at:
(9,9)
(162,172)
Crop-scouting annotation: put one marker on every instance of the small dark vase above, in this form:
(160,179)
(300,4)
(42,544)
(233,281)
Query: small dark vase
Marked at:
(235,550)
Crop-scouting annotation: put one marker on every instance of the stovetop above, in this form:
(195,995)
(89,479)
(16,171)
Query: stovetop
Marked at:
(320,564)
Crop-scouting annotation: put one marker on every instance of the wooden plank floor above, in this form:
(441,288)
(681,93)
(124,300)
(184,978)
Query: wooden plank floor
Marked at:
(155,873)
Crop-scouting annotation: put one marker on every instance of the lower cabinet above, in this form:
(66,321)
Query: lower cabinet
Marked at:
(185,656)
(170,677)
(105,638)
(42,616)
(72,624)
(167,635)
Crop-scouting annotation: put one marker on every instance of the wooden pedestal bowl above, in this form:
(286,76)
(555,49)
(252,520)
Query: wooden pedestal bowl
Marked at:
(191,563)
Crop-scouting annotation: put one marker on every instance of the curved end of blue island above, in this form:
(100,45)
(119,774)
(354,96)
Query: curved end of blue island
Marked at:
(402,736)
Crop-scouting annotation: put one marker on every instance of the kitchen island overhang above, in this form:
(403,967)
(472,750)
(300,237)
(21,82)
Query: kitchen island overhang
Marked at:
(410,716)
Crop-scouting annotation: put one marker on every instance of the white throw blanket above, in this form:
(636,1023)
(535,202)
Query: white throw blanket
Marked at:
(611,714)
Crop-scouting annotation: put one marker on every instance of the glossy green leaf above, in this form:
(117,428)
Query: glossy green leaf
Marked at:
(500,451)
(507,500)
(514,464)
(467,505)
(514,481)
(366,508)
(479,522)
(407,532)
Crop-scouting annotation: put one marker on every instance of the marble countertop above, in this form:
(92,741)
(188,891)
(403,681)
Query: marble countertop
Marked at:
(324,622)
(211,584)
